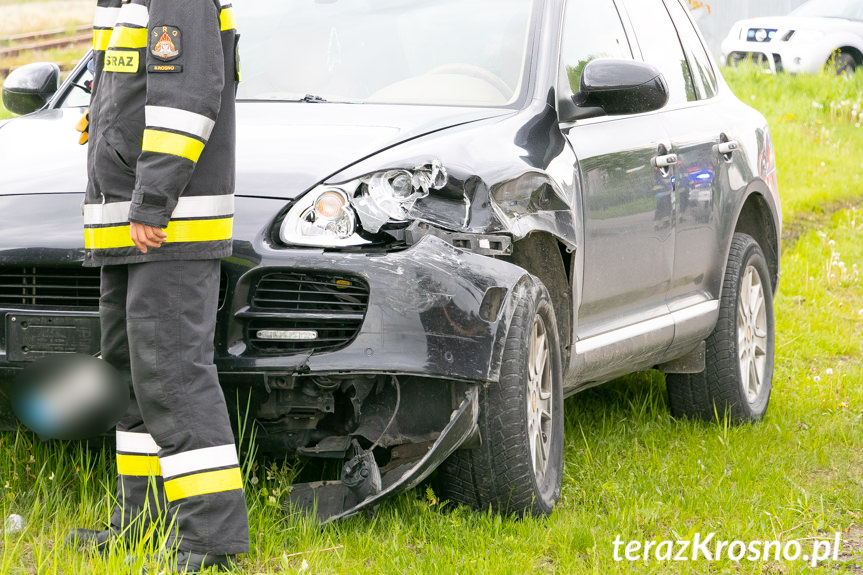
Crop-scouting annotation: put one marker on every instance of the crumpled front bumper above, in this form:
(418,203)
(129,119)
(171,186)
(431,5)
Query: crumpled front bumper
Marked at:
(433,310)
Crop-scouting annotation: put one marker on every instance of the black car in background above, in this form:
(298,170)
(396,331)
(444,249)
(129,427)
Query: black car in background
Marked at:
(451,214)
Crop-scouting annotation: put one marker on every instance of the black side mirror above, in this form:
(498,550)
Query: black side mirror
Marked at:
(29,87)
(617,87)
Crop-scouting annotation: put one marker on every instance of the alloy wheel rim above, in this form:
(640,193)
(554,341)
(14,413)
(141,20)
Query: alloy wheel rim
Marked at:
(752,334)
(539,398)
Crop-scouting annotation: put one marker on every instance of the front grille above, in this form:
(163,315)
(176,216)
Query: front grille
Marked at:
(757,58)
(59,287)
(49,287)
(333,306)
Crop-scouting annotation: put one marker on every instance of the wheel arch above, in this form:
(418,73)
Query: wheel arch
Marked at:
(855,53)
(547,257)
(756,218)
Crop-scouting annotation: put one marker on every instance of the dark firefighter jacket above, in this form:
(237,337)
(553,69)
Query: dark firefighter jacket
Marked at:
(162,129)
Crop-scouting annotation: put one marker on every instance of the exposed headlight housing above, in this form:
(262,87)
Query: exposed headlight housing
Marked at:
(329,216)
(390,196)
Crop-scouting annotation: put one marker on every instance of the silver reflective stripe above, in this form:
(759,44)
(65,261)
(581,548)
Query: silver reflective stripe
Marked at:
(188,207)
(204,207)
(142,443)
(103,214)
(105,17)
(198,460)
(180,120)
(225,3)
(134,14)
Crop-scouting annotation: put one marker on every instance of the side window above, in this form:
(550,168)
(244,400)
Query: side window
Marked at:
(78,97)
(660,46)
(591,31)
(699,63)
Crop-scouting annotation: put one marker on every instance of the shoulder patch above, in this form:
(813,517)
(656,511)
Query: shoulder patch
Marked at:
(165,42)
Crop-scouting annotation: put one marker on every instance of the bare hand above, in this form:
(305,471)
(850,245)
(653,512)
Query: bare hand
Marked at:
(147,237)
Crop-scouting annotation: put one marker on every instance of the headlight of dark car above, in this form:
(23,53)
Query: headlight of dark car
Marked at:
(331,215)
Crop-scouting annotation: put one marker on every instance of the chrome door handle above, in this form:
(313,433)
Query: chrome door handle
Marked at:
(665,161)
(726,148)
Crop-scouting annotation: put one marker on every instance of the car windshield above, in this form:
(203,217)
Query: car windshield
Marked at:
(847,9)
(430,52)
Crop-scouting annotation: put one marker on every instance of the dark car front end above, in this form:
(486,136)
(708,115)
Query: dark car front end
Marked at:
(376,337)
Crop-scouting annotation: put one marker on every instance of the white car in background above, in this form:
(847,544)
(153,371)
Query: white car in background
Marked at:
(819,33)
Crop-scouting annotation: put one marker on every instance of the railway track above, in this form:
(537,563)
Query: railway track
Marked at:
(13,46)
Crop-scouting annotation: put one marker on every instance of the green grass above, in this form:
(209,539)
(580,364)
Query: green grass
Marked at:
(816,126)
(630,469)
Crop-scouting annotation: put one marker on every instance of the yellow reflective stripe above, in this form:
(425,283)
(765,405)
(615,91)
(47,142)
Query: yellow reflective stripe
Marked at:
(174,144)
(101,39)
(200,230)
(227,18)
(123,37)
(178,231)
(138,465)
(204,483)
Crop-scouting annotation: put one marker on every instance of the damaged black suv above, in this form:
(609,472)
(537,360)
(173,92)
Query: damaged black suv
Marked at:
(450,215)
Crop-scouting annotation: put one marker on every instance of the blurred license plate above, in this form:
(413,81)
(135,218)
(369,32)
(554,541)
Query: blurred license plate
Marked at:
(33,336)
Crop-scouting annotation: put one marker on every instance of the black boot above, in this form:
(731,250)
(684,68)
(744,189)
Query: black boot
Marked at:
(83,539)
(191,562)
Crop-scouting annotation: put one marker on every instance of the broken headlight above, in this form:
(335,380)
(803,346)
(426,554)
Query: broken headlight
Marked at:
(331,215)
(390,196)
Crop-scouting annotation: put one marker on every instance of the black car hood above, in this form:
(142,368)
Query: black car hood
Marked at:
(283,149)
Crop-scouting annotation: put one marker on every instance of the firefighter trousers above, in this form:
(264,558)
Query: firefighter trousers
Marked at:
(176,457)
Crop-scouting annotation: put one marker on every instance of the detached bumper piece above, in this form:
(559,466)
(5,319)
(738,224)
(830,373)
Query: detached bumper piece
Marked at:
(364,487)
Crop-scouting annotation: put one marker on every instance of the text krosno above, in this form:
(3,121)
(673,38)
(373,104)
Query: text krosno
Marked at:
(714,550)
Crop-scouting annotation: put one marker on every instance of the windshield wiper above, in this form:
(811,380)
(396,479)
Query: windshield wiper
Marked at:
(314,99)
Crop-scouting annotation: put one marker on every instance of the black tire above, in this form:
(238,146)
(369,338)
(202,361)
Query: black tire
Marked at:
(500,473)
(844,64)
(725,387)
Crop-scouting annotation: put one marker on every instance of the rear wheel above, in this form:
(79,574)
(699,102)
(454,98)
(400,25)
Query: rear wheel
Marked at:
(518,466)
(739,369)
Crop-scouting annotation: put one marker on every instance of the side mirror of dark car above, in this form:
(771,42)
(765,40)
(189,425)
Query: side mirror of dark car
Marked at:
(29,87)
(616,87)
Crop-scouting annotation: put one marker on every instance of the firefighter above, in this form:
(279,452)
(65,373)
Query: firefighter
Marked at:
(158,216)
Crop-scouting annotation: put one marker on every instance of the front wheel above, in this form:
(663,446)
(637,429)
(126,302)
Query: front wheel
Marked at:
(739,366)
(518,466)
(844,64)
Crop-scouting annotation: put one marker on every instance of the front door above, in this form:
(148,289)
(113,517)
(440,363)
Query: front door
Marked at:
(628,250)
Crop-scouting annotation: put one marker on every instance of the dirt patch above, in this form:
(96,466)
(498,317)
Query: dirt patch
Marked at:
(851,552)
(36,16)
(808,221)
